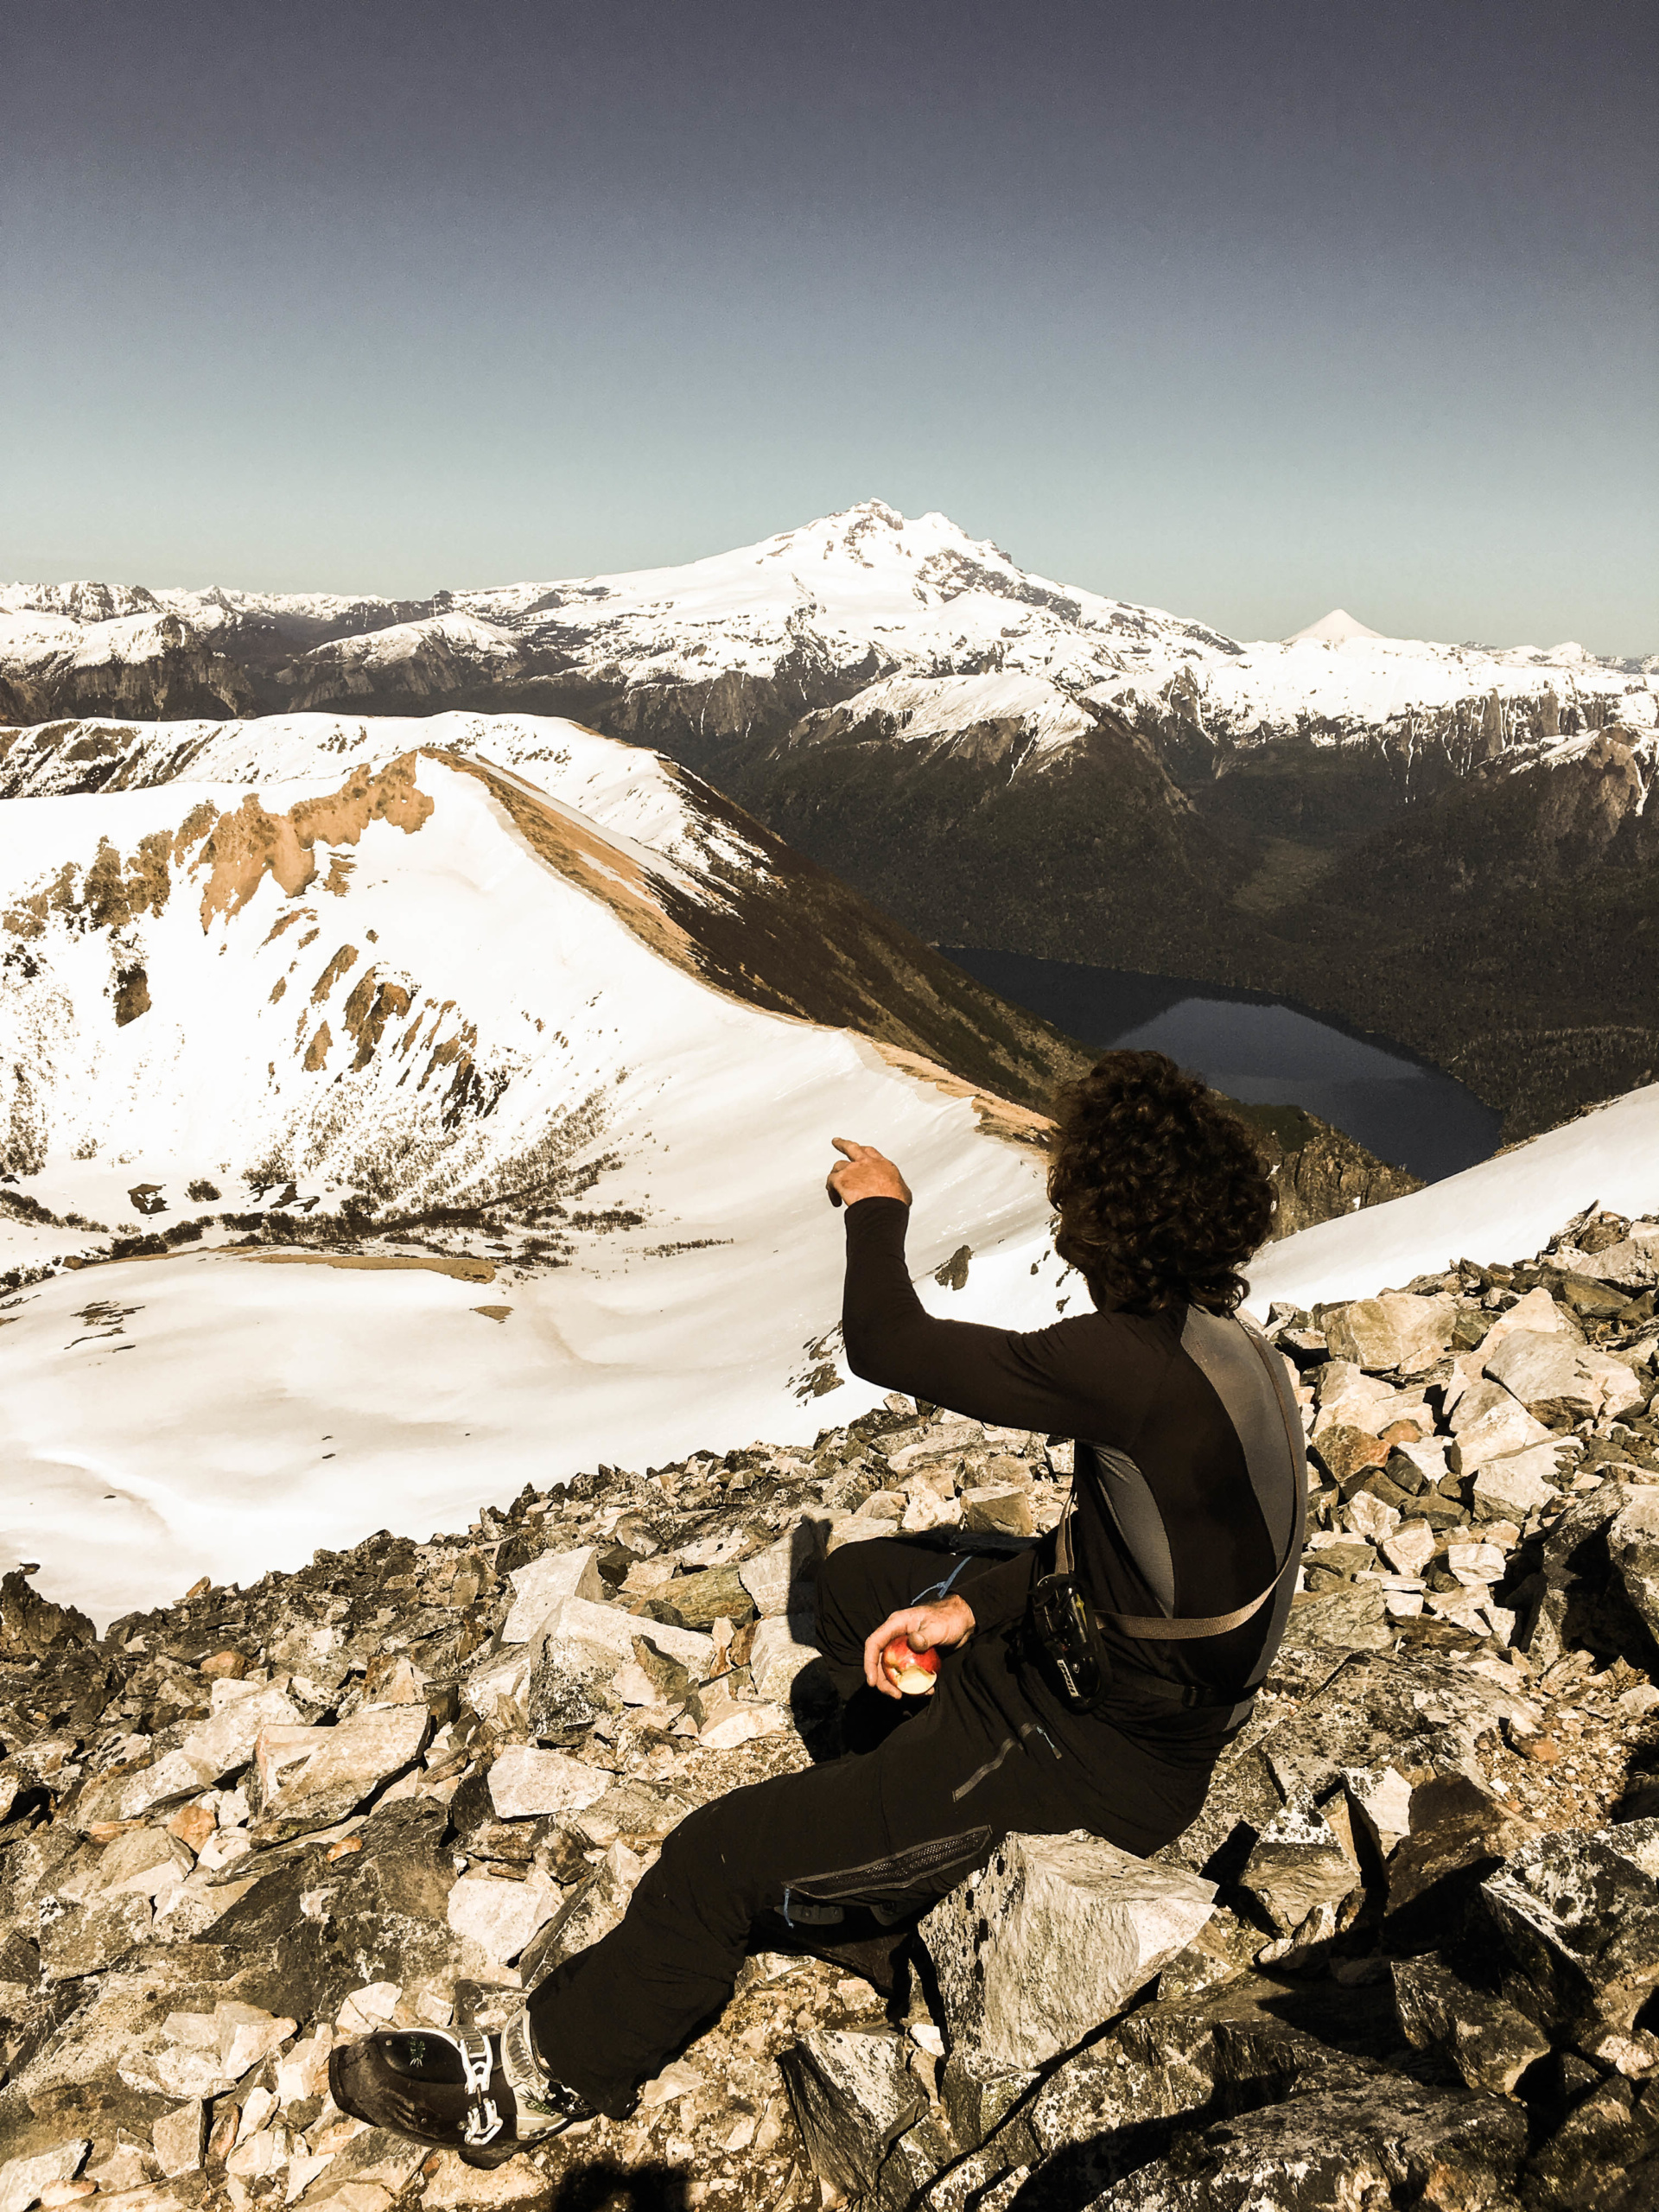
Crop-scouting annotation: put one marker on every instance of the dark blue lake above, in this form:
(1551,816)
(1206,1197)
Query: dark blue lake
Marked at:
(1259,1049)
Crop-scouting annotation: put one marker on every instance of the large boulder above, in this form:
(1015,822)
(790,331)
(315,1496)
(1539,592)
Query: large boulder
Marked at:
(1382,2140)
(1395,1333)
(1545,1374)
(1580,1922)
(541,1587)
(1049,1939)
(526,1783)
(853,2096)
(306,1778)
(1490,2043)
(1633,1548)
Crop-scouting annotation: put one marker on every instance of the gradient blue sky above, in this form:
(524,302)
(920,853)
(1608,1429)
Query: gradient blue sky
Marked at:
(1241,309)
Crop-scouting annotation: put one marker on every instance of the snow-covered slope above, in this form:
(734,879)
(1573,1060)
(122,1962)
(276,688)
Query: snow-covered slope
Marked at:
(526,1175)
(1504,1210)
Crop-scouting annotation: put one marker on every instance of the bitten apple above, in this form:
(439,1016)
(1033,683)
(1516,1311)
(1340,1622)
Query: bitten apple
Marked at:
(914,1672)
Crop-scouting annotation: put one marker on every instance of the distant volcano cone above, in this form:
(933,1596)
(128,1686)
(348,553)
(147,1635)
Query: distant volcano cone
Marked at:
(1333,629)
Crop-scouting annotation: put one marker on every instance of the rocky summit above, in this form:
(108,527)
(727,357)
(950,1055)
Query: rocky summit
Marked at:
(1407,1955)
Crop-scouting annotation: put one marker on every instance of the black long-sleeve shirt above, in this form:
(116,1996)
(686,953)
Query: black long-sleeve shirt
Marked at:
(1118,1380)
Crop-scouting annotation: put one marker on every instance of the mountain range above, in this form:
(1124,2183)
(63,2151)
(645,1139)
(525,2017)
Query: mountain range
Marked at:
(1447,845)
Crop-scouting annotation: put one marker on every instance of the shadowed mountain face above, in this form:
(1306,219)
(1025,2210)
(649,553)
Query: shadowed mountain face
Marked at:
(1418,838)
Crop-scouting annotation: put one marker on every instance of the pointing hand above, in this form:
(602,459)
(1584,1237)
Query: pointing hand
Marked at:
(864,1173)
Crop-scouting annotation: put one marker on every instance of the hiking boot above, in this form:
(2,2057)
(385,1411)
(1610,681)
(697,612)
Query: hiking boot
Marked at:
(487,2097)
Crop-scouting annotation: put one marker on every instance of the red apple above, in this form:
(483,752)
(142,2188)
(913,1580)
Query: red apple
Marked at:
(914,1672)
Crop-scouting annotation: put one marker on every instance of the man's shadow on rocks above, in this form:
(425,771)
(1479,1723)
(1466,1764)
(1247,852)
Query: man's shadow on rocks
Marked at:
(608,2188)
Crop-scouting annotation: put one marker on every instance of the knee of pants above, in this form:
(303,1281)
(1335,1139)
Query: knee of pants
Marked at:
(713,1862)
(843,1603)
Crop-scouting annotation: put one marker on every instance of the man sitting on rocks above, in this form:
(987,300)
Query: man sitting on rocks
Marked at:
(1088,1683)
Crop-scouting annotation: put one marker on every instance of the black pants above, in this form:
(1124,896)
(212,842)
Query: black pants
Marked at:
(897,1826)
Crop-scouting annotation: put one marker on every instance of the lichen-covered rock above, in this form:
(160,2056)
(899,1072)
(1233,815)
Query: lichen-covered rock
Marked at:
(1384,2142)
(1298,1863)
(1049,1939)
(1580,1922)
(1490,2043)
(853,2095)
(1633,1548)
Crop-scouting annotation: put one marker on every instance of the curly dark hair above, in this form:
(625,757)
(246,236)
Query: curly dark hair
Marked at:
(1161,1193)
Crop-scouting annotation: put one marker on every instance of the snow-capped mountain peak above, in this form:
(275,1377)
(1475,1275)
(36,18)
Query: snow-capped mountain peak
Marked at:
(1335,628)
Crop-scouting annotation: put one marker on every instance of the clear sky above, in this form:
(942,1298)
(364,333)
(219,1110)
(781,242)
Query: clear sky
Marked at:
(1242,307)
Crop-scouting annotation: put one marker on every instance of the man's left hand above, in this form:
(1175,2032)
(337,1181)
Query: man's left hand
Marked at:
(939,1625)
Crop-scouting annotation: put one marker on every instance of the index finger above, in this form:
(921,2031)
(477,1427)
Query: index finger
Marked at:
(850,1146)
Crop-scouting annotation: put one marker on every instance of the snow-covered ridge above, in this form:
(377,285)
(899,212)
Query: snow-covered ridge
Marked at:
(1505,1210)
(515,1180)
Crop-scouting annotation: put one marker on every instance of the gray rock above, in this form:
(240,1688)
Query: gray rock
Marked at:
(1352,1618)
(1542,1371)
(975,2103)
(1458,1833)
(1504,1429)
(1633,1548)
(1049,1939)
(1514,1485)
(1382,2141)
(1004,1506)
(86,1939)
(372,2169)
(853,2096)
(525,1783)
(1580,1921)
(783,1648)
(1487,2039)
(306,1778)
(498,1919)
(778,1578)
(1242,1798)
(609,1632)
(224,1742)
(130,1795)
(1402,1708)
(1604,2156)
(1395,1333)
(1298,1863)
(180,2139)
(23,2180)
(542,1586)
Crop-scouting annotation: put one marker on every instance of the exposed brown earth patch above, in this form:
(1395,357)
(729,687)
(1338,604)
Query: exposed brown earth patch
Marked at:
(345,958)
(245,845)
(463,1270)
(997,1117)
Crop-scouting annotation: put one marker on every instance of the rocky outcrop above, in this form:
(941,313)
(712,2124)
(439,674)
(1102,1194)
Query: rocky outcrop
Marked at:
(150,663)
(1408,1953)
